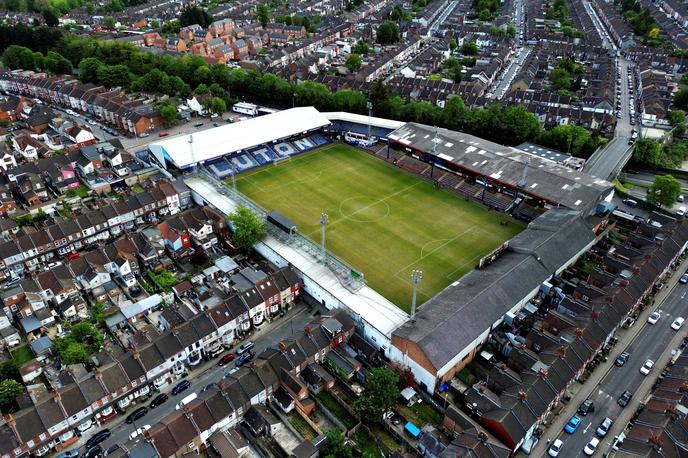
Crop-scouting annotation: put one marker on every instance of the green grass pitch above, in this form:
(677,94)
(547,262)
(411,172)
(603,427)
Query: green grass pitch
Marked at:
(382,221)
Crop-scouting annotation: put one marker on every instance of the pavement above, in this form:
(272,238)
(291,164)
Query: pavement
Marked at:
(205,373)
(643,341)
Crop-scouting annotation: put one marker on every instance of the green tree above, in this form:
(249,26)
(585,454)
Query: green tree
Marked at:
(494,31)
(518,125)
(262,14)
(677,117)
(55,63)
(98,313)
(469,48)
(452,69)
(50,18)
(171,27)
(9,371)
(88,69)
(114,75)
(388,33)
(169,114)
(398,14)
(74,353)
(452,44)
(664,191)
(380,394)
(561,79)
(361,48)
(647,152)
(681,99)
(248,227)
(109,22)
(195,15)
(216,105)
(353,62)
(9,390)
(336,446)
(86,333)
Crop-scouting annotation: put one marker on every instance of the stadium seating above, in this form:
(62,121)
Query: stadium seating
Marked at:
(244,162)
(285,149)
(263,155)
(220,168)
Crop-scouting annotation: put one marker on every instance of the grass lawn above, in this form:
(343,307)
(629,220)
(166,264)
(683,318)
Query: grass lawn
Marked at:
(302,427)
(420,414)
(382,221)
(365,443)
(22,354)
(336,409)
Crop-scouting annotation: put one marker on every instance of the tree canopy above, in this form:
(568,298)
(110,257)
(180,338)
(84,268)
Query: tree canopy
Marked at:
(664,191)
(9,390)
(388,33)
(263,14)
(380,394)
(195,15)
(647,152)
(248,227)
(353,62)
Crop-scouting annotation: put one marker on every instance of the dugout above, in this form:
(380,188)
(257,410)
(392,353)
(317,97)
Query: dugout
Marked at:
(281,222)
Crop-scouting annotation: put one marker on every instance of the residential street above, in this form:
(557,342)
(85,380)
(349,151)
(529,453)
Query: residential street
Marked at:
(643,341)
(268,335)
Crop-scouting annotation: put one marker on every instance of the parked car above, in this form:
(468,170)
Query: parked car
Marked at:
(98,437)
(159,400)
(68,454)
(243,359)
(621,359)
(136,414)
(591,446)
(647,367)
(181,386)
(555,448)
(111,449)
(587,407)
(163,134)
(572,425)
(630,202)
(138,432)
(625,398)
(678,322)
(226,359)
(654,318)
(198,124)
(93,452)
(246,346)
(603,429)
(684,279)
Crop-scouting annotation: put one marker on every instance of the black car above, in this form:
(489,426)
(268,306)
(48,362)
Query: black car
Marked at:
(243,359)
(98,437)
(159,399)
(625,398)
(587,407)
(621,360)
(136,414)
(93,452)
(112,449)
(181,386)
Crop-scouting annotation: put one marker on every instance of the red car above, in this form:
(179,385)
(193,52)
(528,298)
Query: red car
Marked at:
(226,359)
(72,256)
(163,134)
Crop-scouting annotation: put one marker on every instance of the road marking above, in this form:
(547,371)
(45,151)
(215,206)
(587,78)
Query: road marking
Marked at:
(587,427)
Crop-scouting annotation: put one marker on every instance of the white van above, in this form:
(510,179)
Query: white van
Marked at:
(186,400)
(681,211)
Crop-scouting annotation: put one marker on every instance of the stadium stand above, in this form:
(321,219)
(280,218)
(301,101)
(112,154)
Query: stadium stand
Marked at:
(263,154)
(220,168)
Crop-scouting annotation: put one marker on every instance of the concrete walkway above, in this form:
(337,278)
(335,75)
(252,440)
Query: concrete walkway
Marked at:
(580,393)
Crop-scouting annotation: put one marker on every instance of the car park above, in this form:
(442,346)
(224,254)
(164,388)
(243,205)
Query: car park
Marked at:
(647,367)
(136,414)
(588,406)
(625,398)
(591,446)
(572,424)
(98,437)
(621,359)
(159,400)
(678,322)
(603,429)
(181,386)
(654,317)
(555,448)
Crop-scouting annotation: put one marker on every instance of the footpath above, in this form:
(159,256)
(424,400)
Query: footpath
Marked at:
(580,392)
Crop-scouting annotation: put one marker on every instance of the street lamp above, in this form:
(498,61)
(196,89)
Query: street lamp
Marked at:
(416,277)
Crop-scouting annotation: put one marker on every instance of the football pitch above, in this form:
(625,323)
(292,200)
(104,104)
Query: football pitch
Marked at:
(382,220)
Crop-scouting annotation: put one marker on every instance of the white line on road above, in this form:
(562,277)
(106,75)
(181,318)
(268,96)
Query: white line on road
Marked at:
(587,427)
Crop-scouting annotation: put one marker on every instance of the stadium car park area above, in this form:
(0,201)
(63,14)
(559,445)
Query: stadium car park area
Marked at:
(383,221)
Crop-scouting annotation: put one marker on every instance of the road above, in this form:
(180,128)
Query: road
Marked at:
(650,343)
(501,86)
(268,335)
(442,17)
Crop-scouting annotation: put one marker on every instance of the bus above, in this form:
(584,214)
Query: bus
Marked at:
(245,108)
(360,139)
